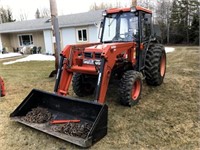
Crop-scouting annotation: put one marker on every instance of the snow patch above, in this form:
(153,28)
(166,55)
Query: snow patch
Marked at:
(7,55)
(33,57)
(169,49)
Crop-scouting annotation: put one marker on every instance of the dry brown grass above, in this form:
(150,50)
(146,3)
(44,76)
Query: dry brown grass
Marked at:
(167,117)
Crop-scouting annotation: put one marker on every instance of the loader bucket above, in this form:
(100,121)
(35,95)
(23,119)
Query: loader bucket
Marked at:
(61,108)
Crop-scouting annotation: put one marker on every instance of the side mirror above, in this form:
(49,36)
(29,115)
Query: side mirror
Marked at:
(101,24)
(100,30)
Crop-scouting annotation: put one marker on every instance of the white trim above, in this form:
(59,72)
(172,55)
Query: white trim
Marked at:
(77,36)
(24,35)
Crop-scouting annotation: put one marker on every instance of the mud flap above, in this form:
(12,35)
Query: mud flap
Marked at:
(65,108)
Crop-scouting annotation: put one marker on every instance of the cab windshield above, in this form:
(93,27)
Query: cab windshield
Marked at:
(120,27)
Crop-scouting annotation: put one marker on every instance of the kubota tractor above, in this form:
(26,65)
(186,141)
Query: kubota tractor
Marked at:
(128,50)
(2,88)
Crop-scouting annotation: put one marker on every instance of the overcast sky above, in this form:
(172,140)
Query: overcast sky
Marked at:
(29,7)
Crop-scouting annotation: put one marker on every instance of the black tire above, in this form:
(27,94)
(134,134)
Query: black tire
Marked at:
(155,65)
(80,86)
(130,88)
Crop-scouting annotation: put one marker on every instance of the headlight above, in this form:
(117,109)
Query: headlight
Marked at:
(97,62)
(92,62)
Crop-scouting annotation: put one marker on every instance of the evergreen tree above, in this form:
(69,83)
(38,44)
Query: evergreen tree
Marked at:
(37,14)
(194,31)
(183,13)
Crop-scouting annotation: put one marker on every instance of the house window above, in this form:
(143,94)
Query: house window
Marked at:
(82,35)
(25,40)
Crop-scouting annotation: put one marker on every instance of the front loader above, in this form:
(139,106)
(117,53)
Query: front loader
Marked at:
(128,51)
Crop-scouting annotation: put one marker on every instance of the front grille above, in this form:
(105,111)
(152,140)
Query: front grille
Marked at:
(97,55)
(88,55)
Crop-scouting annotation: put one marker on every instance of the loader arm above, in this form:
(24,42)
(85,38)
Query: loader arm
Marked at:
(64,75)
(68,65)
(109,58)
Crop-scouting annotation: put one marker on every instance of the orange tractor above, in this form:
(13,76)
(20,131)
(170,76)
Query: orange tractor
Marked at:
(2,88)
(128,50)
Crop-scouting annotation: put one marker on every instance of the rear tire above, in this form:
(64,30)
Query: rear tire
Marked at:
(155,65)
(130,88)
(80,86)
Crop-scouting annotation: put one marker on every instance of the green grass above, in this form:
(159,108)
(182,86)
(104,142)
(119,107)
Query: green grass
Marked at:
(167,117)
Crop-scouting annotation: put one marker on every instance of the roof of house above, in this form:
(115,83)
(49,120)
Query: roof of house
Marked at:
(80,19)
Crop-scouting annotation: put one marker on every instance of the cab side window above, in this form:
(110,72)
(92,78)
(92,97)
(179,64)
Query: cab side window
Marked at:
(146,26)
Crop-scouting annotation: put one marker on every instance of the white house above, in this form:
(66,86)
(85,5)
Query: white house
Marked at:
(74,29)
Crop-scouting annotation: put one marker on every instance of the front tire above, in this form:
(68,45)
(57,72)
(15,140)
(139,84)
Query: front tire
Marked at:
(155,65)
(80,86)
(130,88)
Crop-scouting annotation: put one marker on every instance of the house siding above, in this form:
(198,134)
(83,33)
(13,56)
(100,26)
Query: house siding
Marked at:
(11,40)
(68,36)
(5,39)
(14,40)
(93,33)
(38,40)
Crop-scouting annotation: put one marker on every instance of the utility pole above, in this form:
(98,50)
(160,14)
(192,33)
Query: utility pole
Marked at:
(56,35)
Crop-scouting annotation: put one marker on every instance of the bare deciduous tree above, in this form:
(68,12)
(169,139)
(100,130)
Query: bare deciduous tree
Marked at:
(101,6)
(45,12)
(6,15)
(23,16)
(163,13)
(117,4)
(42,13)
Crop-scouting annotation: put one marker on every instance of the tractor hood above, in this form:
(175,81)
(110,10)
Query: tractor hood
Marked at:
(101,47)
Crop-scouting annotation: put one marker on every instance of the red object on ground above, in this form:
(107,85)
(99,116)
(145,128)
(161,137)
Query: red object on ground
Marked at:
(63,121)
(2,88)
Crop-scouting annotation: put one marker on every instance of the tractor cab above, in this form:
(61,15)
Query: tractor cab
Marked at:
(120,27)
(126,25)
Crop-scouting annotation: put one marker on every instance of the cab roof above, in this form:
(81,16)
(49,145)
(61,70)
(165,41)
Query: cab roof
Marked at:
(128,9)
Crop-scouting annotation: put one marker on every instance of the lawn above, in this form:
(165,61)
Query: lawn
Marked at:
(167,117)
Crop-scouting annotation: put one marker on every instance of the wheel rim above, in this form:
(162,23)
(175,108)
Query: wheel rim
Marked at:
(136,90)
(162,65)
